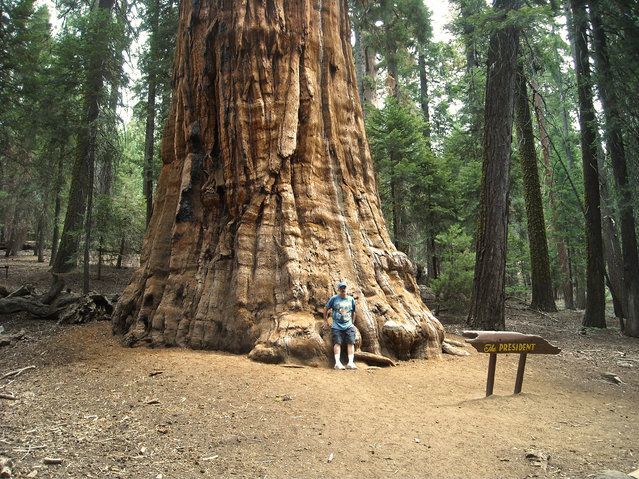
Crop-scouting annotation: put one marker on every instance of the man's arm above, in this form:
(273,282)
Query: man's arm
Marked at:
(327,308)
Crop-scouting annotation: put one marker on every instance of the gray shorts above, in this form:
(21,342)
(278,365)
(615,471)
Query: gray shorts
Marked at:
(343,336)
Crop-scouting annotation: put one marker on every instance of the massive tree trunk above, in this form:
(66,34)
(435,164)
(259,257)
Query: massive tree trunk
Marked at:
(615,146)
(542,296)
(267,196)
(594,315)
(487,304)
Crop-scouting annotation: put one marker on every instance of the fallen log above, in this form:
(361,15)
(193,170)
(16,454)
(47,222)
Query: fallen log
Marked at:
(93,307)
(69,308)
(22,291)
(32,306)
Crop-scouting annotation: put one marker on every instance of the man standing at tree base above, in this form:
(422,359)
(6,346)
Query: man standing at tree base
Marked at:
(342,330)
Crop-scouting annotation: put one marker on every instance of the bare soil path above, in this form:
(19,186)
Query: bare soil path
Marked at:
(114,412)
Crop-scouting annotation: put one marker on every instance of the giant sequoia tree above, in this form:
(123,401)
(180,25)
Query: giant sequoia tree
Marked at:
(267,195)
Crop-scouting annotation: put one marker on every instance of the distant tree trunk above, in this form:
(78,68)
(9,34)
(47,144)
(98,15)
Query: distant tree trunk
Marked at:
(612,249)
(467,10)
(614,262)
(595,298)
(118,264)
(42,221)
(88,225)
(365,61)
(487,304)
(58,203)
(615,146)
(542,297)
(565,118)
(434,273)
(66,258)
(580,289)
(560,244)
(149,135)
(400,224)
(370,79)
(423,96)
(267,196)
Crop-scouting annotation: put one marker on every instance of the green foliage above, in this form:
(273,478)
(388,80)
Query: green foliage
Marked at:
(402,156)
(455,282)
(156,58)
(121,214)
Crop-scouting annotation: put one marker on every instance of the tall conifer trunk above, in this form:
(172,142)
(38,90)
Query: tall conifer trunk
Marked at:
(66,257)
(542,296)
(594,315)
(58,201)
(267,195)
(615,146)
(560,244)
(149,134)
(487,304)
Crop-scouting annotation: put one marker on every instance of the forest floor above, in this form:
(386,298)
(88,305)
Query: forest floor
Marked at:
(113,412)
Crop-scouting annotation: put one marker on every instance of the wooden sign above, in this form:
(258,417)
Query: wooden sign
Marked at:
(504,342)
(509,342)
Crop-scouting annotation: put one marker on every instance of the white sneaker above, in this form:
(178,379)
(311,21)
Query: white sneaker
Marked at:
(339,366)
(351,366)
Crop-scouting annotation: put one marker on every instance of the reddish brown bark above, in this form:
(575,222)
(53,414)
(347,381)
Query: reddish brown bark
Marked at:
(267,195)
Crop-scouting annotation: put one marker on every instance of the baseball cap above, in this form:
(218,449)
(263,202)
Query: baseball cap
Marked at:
(341,285)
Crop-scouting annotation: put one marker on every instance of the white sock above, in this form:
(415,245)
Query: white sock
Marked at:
(351,358)
(337,361)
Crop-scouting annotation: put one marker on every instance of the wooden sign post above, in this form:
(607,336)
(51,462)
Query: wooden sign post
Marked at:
(504,342)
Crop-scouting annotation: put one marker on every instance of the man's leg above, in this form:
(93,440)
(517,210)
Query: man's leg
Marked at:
(350,349)
(337,351)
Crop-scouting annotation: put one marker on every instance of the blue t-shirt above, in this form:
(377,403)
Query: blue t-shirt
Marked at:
(343,309)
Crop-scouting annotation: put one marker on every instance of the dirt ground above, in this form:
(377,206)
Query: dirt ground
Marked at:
(114,412)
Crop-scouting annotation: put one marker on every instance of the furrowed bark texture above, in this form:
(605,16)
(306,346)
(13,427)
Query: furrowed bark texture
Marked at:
(267,196)
(487,304)
(560,243)
(616,149)
(542,295)
(595,300)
